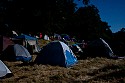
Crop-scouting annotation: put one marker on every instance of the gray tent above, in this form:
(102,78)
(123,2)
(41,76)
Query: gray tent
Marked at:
(22,53)
(4,70)
(16,52)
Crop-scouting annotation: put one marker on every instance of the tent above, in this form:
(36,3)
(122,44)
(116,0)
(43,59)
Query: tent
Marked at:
(65,36)
(76,48)
(4,70)
(16,52)
(56,53)
(31,43)
(57,36)
(5,42)
(14,33)
(46,37)
(99,47)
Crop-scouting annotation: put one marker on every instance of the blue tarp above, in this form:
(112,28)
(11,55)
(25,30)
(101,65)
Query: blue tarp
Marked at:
(23,36)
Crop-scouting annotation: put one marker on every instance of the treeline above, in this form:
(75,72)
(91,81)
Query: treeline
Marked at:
(52,16)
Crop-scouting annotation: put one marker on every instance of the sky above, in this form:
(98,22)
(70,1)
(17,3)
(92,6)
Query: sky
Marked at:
(110,11)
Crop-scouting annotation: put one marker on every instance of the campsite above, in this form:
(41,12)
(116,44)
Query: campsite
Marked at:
(54,41)
(90,70)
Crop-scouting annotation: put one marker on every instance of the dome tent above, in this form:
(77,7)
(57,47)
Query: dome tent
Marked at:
(56,53)
(4,71)
(16,52)
(100,47)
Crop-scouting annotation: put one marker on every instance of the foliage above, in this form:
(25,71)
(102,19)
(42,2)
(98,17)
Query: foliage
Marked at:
(118,42)
(52,16)
(89,24)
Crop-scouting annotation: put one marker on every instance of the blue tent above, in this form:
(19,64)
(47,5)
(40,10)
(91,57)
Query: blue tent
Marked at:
(56,53)
(31,43)
(65,36)
(76,48)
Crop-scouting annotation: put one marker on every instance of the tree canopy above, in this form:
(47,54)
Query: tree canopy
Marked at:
(53,16)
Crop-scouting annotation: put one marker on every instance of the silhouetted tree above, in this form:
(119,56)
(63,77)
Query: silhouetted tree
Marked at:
(88,21)
(118,42)
(88,24)
(46,16)
(51,16)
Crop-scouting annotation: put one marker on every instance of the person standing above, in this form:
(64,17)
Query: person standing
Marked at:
(40,36)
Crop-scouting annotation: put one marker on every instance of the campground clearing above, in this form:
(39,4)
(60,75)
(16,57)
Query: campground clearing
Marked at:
(90,70)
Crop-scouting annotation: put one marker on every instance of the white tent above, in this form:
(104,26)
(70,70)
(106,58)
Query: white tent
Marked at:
(4,69)
(46,37)
(14,32)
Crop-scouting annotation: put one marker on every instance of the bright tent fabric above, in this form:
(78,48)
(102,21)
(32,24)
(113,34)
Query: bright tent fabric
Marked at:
(56,53)
(76,48)
(110,51)
(4,69)
(22,53)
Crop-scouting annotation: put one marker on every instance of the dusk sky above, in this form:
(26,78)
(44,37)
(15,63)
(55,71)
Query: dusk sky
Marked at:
(110,11)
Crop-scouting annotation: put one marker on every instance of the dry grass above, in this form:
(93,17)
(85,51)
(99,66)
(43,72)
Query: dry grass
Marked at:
(90,70)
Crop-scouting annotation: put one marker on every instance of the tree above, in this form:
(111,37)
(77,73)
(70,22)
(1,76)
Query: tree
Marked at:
(87,21)
(46,16)
(89,25)
(52,16)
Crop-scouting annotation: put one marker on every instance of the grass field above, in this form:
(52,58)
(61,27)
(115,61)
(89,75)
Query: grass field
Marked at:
(90,70)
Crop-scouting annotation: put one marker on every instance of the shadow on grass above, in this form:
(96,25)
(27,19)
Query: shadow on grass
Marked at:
(114,72)
(26,64)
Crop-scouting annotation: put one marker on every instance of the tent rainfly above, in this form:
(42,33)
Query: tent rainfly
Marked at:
(4,70)
(31,43)
(56,53)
